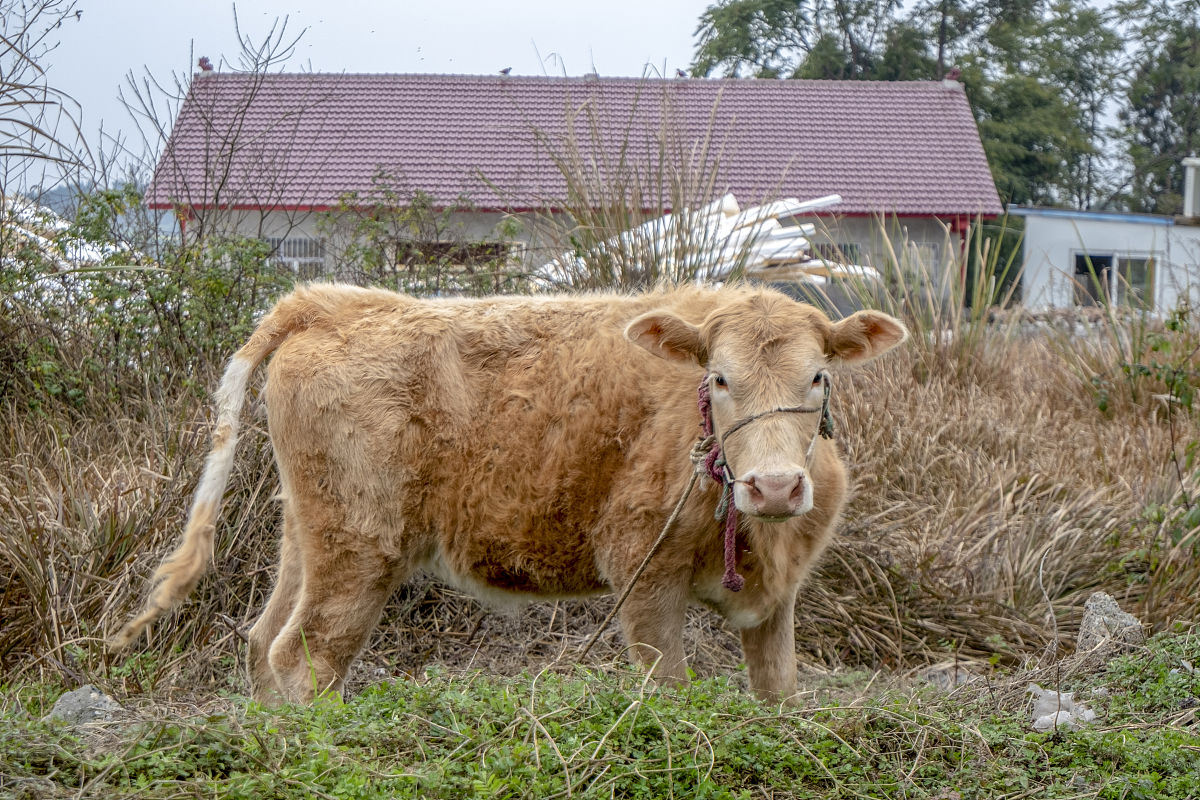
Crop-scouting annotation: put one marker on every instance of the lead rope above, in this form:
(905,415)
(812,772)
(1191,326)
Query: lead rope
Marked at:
(718,468)
(699,452)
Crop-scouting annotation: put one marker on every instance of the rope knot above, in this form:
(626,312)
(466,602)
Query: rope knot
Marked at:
(702,450)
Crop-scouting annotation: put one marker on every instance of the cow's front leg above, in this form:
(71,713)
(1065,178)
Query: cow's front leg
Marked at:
(652,620)
(771,652)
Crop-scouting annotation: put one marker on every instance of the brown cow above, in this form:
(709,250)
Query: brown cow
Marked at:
(524,447)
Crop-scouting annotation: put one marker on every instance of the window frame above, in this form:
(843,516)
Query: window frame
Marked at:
(837,252)
(310,255)
(444,252)
(1115,282)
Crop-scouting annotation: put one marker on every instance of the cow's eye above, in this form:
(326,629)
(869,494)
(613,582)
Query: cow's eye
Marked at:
(719,380)
(817,379)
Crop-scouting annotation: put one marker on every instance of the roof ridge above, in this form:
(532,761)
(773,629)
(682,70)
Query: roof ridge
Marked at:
(586,78)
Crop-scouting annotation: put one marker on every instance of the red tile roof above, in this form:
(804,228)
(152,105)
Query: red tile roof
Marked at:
(304,140)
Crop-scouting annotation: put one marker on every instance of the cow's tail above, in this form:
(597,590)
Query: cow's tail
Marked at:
(178,575)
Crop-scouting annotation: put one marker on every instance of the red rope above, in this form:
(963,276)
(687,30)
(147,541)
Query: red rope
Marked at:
(714,464)
(731,580)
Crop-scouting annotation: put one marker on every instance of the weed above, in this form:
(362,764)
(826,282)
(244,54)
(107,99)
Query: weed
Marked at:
(580,734)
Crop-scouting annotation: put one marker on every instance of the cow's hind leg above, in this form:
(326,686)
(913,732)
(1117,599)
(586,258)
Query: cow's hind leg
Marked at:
(341,600)
(263,685)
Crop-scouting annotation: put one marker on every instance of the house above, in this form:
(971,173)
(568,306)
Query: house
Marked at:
(1085,258)
(280,156)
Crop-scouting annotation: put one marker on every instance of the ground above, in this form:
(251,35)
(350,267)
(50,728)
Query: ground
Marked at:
(576,732)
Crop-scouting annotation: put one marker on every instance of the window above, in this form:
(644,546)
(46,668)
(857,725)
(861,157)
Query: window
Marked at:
(302,255)
(841,253)
(1093,277)
(454,266)
(925,257)
(459,255)
(1135,281)
(1099,277)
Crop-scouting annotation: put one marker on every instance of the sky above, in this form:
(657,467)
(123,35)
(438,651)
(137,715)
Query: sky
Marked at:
(113,39)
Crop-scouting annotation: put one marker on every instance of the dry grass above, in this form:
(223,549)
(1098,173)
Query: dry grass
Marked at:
(976,500)
(991,497)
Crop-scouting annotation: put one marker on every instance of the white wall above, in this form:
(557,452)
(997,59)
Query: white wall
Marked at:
(337,231)
(883,240)
(878,239)
(1053,239)
(279,224)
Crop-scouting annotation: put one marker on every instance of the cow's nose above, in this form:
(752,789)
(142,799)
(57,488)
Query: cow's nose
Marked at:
(776,494)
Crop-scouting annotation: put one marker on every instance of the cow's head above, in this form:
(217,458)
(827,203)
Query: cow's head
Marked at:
(764,351)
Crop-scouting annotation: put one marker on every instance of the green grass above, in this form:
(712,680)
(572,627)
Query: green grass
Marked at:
(608,734)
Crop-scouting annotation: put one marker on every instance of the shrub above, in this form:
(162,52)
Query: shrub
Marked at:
(85,321)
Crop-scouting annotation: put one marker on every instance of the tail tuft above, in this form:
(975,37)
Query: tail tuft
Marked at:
(182,570)
(178,575)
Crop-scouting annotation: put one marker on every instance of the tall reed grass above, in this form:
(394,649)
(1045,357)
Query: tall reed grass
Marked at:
(634,214)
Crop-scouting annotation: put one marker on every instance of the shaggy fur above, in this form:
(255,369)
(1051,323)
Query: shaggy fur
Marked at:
(528,447)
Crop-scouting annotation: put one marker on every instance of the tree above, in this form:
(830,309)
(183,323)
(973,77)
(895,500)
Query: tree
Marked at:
(906,56)
(39,124)
(1044,77)
(764,38)
(211,206)
(793,38)
(947,23)
(903,55)
(1038,73)
(1028,132)
(1079,52)
(1161,120)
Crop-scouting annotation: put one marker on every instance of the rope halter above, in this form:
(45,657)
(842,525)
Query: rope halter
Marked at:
(708,456)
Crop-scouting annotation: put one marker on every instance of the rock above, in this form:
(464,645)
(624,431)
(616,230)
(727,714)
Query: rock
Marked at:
(85,704)
(1054,710)
(1059,719)
(947,677)
(1104,622)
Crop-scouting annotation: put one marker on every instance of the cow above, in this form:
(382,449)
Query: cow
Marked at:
(534,447)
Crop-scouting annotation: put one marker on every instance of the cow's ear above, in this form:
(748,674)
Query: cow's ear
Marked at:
(666,336)
(863,336)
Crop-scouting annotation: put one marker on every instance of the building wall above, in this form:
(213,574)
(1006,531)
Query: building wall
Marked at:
(325,225)
(333,234)
(870,241)
(923,242)
(1053,241)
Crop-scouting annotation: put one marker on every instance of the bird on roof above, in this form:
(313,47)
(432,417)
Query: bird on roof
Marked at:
(506,70)
(680,73)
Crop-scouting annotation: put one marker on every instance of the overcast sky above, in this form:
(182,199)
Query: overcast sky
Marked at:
(113,38)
